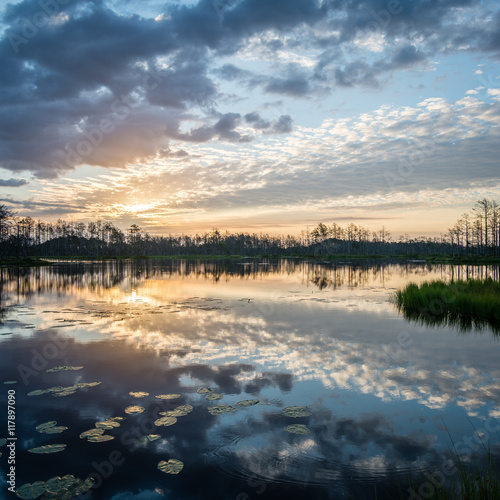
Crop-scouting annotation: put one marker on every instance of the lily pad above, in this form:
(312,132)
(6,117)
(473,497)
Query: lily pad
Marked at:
(297,429)
(214,396)
(91,432)
(139,394)
(173,466)
(54,485)
(144,440)
(221,409)
(47,425)
(48,448)
(2,442)
(38,392)
(204,390)
(134,410)
(100,439)
(63,368)
(248,402)
(83,385)
(180,411)
(296,411)
(165,421)
(30,491)
(10,382)
(67,391)
(56,430)
(51,428)
(107,424)
(168,396)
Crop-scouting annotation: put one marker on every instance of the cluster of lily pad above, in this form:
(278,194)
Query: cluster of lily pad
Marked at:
(289,411)
(63,368)
(56,488)
(68,486)
(296,412)
(97,435)
(170,417)
(50,428)
(60,391)
(221,409)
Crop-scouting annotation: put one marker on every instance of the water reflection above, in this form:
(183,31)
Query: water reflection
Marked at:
(286,333)
(462,322)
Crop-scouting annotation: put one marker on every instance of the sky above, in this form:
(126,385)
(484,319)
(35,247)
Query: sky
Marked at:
(263,116)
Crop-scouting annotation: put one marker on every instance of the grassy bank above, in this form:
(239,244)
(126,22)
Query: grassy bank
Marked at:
(466,304)
(23,262)
(463,260)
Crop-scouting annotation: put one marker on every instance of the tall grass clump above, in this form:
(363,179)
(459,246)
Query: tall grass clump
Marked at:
(466,304)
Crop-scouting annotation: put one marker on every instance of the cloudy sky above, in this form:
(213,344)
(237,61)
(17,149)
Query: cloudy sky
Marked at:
(255,115)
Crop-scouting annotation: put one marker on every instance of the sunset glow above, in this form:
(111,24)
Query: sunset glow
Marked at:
(251,116)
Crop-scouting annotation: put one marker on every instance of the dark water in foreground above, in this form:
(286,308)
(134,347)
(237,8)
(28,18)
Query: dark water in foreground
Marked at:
(386,397)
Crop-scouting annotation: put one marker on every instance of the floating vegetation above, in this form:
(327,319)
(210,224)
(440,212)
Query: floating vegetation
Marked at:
(183,410)
(10,382)
(100,439)
(50,428)
(63,368)
(109,423)
(214,396)
(221,409)
(180,411)
(173,466)
(248,402)
(30,491)
(48,448)
(297,429)
(56,488)
(2,441)
(144,440)
(204,390)
(134,410)
(139,394)
(168,396)
(63,392)
(296,411)
(165,421)
(38,392)
(91,432)
(60,391)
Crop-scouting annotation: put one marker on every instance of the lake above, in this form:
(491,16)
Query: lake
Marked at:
(278,379)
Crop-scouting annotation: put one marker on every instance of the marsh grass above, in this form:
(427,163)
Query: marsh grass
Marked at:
(474,479)
(464,304)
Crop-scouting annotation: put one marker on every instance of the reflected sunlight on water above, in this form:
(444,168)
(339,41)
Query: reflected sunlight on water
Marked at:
(287,333)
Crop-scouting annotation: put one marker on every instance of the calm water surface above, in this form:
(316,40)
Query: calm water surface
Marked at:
(386,397)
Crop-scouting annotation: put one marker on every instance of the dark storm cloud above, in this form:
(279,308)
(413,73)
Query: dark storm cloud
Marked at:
(282,125)
(13,182)
(407,56)
(294,86)
(257,121)
(81,83)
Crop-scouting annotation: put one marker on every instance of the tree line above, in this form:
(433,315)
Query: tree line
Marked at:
(475,234)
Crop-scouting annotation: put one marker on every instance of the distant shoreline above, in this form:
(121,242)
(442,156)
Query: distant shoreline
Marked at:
(48,261)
